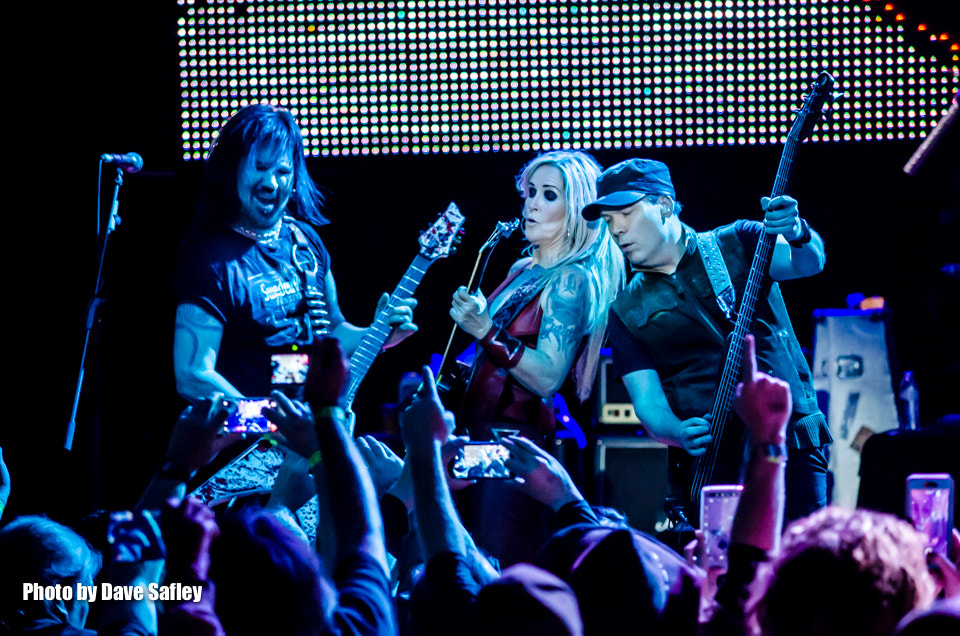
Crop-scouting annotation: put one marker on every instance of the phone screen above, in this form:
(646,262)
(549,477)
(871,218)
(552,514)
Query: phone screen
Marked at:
(246,416)
(481,460)
(717,509)
(930,507)
(289,368)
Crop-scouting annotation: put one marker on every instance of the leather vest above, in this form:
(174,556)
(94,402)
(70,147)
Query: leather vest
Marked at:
(493,398)
(677,320)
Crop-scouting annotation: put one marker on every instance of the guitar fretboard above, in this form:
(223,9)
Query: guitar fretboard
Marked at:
(746,318)
(373,341)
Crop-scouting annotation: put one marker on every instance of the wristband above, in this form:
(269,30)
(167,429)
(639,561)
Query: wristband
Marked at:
(773,453)
(330,412)
(174,471)
(315,459)
(805,236)
(503,349)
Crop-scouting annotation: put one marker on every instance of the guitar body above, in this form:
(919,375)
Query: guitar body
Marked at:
(453,374)
(454,384)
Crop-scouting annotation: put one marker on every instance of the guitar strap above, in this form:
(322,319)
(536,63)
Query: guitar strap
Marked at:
(307,263)
(718,274)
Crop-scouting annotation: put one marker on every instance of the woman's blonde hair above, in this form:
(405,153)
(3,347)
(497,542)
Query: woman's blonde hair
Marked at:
(588,247)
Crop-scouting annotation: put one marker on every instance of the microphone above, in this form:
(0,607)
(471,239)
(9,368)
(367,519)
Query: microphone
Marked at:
(129,163)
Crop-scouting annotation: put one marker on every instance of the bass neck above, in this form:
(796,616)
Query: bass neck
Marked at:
(803,124)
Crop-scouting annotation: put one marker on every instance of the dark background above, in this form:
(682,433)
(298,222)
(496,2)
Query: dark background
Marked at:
(102,77)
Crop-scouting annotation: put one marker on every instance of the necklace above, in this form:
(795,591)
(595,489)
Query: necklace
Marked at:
(261,236)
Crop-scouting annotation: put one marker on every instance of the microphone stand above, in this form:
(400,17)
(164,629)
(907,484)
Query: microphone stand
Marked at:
(92,319)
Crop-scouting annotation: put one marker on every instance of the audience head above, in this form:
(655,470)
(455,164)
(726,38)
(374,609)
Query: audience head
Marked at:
(268,580)
(625,581)
(39,550)
(843,572)
(527,600)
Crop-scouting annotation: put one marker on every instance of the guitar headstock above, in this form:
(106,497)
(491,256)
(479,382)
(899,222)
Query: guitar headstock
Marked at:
(506,228)
(441,238)
(812,110)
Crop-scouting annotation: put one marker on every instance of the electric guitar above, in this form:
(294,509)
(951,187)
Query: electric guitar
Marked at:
(451,377)
(254,471)
(705,466)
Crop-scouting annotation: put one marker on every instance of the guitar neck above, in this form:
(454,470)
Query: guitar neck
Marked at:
(376,336)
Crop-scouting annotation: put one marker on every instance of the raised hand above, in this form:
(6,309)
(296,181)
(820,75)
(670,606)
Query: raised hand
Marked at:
(189,528)
(425,420)
(544,477)
(945,572)
(763,402)
(328,369)
(383,464)
(294,422)
(196,438)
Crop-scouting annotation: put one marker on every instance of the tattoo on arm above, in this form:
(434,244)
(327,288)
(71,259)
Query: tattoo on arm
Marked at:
(193,326)
(564,314)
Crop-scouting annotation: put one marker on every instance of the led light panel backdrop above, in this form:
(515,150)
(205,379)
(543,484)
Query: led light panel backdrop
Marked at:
(448,76)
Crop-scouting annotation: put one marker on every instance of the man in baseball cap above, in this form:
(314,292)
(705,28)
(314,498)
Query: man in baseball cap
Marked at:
(667,329)
(627,182)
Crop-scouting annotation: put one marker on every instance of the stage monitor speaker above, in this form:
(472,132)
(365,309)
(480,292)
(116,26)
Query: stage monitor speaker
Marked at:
(851,370)
(613,402)
(631,476)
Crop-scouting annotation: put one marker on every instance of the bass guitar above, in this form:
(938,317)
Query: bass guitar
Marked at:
(705,466)
(253,472)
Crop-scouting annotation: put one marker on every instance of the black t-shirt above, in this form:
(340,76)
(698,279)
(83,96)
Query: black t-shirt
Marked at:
(255,290)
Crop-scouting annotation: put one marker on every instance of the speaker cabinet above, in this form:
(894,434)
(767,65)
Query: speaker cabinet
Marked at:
(631,476)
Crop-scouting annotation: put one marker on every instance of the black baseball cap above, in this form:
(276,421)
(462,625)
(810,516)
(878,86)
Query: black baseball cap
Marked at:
(624,184)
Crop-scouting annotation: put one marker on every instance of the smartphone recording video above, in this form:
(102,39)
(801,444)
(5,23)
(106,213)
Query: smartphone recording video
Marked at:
(481,460)
(289,367)
(247,418)
(929,507)
(718,506)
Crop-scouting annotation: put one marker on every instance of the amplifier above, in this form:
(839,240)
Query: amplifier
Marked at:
(630,475)
(613,402)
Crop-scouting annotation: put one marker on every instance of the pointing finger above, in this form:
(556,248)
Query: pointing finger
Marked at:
(749,366)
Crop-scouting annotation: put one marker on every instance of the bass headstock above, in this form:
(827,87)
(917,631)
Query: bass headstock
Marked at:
(812,110)
(441,238)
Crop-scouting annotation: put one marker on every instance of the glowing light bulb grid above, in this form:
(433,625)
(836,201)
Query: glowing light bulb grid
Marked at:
(448,76)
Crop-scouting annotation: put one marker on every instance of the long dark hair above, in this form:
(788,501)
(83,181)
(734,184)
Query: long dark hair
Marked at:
(251,129)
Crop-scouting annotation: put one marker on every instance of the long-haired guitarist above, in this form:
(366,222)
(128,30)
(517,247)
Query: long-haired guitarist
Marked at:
(669,333)
(546,319)
(253,273)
